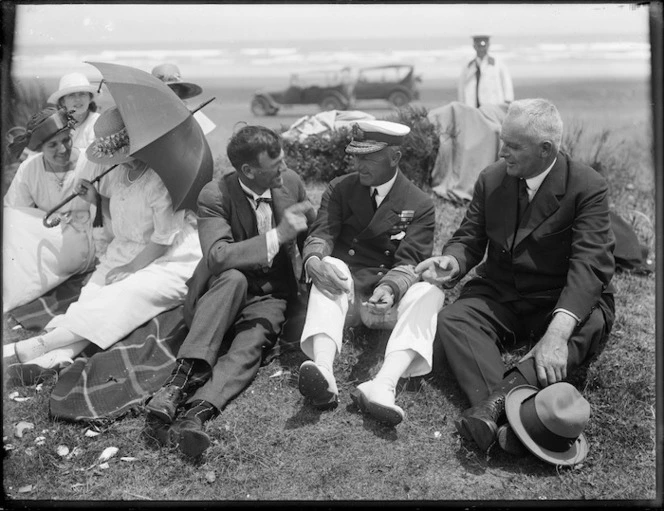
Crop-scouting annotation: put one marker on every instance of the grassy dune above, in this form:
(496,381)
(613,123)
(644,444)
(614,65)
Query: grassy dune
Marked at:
(268,445)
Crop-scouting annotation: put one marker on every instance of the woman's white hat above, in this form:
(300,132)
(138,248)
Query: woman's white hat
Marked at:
(72,82)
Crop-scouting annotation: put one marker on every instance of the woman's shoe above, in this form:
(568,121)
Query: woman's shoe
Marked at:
(39,368)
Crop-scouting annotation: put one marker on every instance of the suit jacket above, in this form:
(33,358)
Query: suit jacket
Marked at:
(229,235)
(380,248)
(562,250)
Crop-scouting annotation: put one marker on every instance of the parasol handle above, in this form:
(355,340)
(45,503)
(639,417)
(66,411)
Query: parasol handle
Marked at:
(56,221)
(202,105)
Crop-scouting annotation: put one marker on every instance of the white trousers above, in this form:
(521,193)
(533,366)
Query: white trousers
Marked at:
(417,314)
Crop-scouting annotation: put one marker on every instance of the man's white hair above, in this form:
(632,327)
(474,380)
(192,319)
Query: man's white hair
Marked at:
(542,119)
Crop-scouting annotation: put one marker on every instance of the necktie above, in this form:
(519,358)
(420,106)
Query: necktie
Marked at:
(478,73)
(374,202)
(524,200)
(263,213)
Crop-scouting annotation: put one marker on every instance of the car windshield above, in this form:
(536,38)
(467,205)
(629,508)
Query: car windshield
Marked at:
(384,74)
(320,79)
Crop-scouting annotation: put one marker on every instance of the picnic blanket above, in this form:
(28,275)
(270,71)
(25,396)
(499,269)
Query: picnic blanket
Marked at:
(114,382)
(101,386)
(469,142)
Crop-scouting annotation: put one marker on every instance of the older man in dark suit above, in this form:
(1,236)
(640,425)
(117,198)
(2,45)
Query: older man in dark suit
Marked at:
(373,227)
(543,222)
(248,223)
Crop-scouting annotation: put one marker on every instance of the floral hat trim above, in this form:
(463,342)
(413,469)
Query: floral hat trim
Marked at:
(110,145)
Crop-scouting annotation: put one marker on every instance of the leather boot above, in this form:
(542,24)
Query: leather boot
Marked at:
(480,423)
(165,402)
(509,442)
(187,433)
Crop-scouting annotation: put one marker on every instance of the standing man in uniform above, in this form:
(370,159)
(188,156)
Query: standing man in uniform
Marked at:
(373,227)
(484,80)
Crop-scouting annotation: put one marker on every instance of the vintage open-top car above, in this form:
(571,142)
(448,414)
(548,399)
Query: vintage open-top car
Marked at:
(395,83)
(331,90)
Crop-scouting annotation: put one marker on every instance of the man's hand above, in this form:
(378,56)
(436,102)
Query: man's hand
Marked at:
(381,300)
(86,190)
(293,222)
(438,270)
(551,352)
(329,279)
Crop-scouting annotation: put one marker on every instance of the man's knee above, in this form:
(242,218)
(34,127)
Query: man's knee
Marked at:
(230,279)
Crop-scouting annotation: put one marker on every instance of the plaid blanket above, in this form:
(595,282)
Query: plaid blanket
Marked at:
(102,386)
(111,383)
(105,385)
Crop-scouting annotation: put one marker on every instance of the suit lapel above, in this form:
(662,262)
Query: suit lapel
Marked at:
(242,210)
(387,215)
(545,202)
(360,204)
(506,197)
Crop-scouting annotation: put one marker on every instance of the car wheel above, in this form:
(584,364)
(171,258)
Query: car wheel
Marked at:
(331,103)
(260,107)
(398,98)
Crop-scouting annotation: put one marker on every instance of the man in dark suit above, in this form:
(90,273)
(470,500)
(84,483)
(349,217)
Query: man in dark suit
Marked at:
(543,222)
(373,227)
(248,223)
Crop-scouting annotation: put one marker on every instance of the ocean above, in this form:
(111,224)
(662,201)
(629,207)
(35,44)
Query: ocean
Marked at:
(528,58)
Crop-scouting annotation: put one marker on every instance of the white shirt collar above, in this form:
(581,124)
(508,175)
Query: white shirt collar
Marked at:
(533,183)
(253,195)
(385,188)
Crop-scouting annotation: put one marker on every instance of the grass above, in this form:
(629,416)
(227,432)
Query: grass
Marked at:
(268,445)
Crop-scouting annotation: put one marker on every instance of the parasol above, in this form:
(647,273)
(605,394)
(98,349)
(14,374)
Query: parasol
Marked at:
(162,131)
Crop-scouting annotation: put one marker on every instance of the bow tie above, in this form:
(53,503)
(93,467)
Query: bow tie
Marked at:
(266,200)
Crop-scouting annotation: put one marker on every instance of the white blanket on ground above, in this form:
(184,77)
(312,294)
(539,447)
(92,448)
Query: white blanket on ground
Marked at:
(323,122)
(469,141)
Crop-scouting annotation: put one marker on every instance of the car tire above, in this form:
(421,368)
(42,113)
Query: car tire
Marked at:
(331,103)
(260,107)
(398,98)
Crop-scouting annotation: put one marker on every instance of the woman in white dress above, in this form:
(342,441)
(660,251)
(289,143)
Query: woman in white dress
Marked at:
(76,95)
(143,271)
(37,258)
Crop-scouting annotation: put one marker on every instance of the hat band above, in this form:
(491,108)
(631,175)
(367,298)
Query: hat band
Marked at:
(379,137)
(108,146)
(50,127)
(543,436)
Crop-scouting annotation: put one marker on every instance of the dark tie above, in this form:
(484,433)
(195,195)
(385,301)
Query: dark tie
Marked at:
(374,202)
(266,200)
(523,200)
(478,73)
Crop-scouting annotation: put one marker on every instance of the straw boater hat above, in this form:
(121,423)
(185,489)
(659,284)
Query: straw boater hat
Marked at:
(550,422)
(111,143)
(73,82)
(170,75)
(370,136)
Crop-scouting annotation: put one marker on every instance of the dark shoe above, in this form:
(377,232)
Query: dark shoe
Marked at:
(165,402)
(155,432)
(188,435)
(480,423)
(318,385)
(509,442)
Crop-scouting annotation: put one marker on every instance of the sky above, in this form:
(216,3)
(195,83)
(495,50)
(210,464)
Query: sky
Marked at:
(62,23)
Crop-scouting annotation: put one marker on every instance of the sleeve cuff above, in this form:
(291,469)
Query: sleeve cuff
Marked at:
(565,311)
(306,269)
(272,242)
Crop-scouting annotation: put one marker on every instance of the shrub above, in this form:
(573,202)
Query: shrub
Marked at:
(320,158)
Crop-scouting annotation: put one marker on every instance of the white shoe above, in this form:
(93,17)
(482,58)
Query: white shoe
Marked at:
(39,368)
(378,401)
(319,385)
